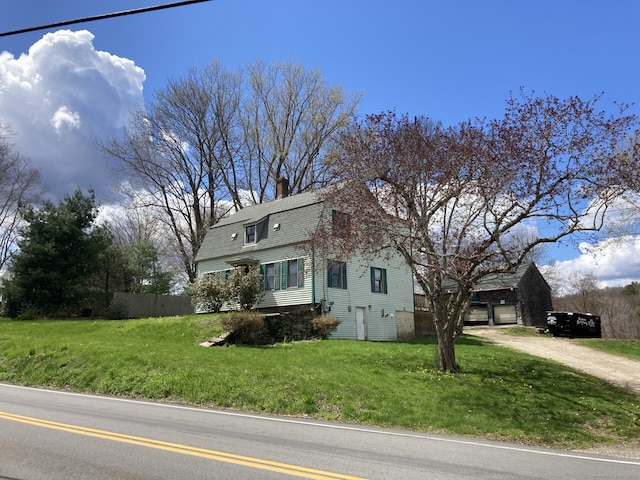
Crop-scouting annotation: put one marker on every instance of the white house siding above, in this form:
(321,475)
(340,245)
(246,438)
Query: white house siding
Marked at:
(379,308)
(274,298)
(290,296)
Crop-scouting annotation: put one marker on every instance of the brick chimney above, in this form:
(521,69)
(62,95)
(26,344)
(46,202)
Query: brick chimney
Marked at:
(282,187)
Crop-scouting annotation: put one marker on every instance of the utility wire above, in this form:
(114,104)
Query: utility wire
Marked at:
(102,17)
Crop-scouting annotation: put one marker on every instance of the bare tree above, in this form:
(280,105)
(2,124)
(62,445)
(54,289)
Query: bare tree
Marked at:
(452,200)
(143,240)
(581,293)
(619,315)
(180,154)
(618,307)
(289,118)
(537,254)
(19,186)
(213,139)
(586,293)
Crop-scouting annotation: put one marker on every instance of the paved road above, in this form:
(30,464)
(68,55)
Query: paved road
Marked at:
(56,435)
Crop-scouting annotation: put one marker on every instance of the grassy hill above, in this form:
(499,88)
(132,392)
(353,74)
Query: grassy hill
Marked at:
(502,394)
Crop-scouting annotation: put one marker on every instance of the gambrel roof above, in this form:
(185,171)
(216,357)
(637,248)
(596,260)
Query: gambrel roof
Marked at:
(285,221)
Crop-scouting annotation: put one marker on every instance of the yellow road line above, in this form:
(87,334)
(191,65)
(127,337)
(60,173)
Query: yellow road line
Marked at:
(285,468)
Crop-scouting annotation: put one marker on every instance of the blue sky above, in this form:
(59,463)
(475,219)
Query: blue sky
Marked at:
(450,60)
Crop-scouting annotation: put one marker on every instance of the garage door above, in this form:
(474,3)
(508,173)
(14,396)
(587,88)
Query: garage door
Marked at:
(477,315)
(504,314)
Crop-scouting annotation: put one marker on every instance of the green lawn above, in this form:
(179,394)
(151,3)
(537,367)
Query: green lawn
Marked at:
(502,394)
(627,348)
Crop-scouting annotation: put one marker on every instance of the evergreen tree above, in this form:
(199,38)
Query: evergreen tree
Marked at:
(148,273)
(60,248)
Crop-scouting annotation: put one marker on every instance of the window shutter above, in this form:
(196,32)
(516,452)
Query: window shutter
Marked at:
(344,275)
(373,279)
(283,275)
(329,274)
(301,272)
(384,280)
(263,284)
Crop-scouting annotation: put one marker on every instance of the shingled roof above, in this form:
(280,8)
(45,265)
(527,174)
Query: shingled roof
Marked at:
(295,215)
(492,282)
(502,281)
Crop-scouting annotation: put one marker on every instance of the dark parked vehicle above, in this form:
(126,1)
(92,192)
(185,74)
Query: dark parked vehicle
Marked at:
(569,324)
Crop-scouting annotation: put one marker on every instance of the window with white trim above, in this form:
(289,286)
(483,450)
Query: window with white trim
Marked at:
(249,234)
(292,273)
(340,223)
(270,276)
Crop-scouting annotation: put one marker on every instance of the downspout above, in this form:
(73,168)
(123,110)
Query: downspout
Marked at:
(313,277)
(413,278)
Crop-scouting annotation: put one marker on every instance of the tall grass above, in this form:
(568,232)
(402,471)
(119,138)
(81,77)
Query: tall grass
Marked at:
(502,394)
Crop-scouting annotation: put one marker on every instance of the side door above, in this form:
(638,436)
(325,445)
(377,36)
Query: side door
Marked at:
(361,324)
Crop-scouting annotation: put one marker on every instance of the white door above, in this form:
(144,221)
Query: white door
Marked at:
(361,329)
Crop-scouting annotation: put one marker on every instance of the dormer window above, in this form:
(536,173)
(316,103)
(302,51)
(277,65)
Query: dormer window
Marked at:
(256,231)
(250,234)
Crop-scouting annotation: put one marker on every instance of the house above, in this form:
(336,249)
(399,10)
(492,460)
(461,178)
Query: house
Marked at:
(373,300)
(520,297)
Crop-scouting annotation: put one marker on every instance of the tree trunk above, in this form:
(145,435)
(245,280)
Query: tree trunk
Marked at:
(446,353)
(446,332)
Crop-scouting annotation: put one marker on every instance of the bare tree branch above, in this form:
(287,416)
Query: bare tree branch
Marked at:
(454,201)
(216,137)
(19,186)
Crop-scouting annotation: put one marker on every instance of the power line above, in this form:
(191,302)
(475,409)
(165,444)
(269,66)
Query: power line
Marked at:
(102,17)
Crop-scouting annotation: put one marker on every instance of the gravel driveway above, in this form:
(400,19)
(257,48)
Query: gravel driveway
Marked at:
(620,371)
(611,368)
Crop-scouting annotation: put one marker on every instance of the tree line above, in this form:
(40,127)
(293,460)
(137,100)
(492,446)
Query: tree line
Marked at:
(67,263)
(618,307)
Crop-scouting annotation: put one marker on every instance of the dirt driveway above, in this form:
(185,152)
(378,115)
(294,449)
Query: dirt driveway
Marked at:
(611,368)
(620,371)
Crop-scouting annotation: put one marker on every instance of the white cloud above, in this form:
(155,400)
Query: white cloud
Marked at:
(613,262)
(60,99)
(65,117)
